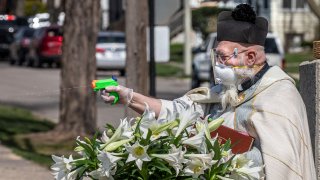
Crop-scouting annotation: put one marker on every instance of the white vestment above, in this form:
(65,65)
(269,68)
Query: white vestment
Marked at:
(271,111)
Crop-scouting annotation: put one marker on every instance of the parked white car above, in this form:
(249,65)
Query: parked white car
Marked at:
(201,65)
(111,51)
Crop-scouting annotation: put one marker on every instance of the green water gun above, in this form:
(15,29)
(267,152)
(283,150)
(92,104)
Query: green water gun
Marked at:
(103,83)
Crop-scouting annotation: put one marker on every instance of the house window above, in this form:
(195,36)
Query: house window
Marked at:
(293,4)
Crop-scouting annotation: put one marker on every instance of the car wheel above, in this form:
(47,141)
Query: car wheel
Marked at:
(195,81)
(58,64)
(12,61)
(29,62)
(20,62)
(21,58)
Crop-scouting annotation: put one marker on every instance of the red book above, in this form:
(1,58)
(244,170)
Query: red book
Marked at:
(240,142)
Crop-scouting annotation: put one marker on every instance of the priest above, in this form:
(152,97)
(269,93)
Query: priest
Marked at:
(250,95)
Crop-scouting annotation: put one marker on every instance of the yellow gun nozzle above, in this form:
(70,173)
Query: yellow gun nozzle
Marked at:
(93,84)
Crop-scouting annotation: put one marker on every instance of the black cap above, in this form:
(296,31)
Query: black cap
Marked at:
(242,25)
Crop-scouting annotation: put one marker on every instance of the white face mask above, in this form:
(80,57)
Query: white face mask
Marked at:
(229,75)
(225,75)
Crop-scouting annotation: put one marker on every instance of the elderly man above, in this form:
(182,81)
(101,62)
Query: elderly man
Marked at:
(253,97)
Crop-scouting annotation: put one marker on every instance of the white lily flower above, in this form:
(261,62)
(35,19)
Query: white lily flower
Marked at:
(203,126)
(174,158)
(108,166)
(242,168)
(155,136)
(148,121)
(198,141)
(104,137)
(62,168)
(138,153)
(195,167)
(123,131)
(207,159)
(226,155)
(186,119)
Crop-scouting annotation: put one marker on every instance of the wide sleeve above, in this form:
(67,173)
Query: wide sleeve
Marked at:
(178,105)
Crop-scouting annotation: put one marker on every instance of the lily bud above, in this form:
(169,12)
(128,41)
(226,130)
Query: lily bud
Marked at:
(215,124)
(115,145)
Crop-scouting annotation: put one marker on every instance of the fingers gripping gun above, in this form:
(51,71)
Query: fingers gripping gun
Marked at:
(103,83)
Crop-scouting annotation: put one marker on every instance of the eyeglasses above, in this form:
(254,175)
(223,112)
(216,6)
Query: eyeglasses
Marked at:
(221,58)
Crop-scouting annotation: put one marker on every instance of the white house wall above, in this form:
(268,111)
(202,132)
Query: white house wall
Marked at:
(302,22)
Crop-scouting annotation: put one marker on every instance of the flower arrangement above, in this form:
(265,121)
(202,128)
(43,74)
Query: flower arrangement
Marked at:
(177,147)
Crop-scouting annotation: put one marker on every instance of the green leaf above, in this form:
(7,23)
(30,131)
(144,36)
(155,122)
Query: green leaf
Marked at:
(137,130)
(80,162)
(177,140)
(81,172)
(109,126)
(161,166)
(209,145)
(217,150)
(87,140)
(227,145)
(87,149)
(227,165)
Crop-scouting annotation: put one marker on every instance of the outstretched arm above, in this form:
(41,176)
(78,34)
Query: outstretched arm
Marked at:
(134,100)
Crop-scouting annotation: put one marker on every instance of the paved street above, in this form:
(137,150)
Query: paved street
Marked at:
(38,91)
(13,167)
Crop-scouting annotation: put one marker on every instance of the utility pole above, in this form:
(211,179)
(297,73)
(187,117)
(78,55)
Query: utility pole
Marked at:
(187,42)
(152,67)
(136,47)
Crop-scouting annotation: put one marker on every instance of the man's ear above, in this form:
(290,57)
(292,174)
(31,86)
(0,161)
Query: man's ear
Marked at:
(252,56)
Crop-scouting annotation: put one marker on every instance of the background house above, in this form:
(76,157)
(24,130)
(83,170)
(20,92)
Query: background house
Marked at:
(291,20)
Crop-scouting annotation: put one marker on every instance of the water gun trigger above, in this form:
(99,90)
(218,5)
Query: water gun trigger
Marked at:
(99,85)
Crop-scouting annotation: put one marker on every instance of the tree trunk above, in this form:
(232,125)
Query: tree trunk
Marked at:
(136,45)
(315,8)
(19,8)
(77,100)
(53,11)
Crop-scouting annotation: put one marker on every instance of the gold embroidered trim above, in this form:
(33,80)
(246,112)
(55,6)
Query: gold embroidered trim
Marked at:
(301,137)
(235,124)
(284,164)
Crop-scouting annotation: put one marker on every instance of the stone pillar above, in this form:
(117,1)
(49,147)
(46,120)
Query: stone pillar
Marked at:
(310,92)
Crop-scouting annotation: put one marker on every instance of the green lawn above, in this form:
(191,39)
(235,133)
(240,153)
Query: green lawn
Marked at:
(168,70)
(294,59)
(173,67)
(176,53)
(16,121)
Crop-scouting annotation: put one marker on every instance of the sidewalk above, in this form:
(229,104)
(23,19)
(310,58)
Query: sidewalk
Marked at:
(14,167)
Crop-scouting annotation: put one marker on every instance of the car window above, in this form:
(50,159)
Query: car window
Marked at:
(19,33)
(214,42)
(38,33)
(270,46)
(205,45)
(111,39)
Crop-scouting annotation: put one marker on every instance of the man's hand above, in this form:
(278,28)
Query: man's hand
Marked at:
(125,94)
